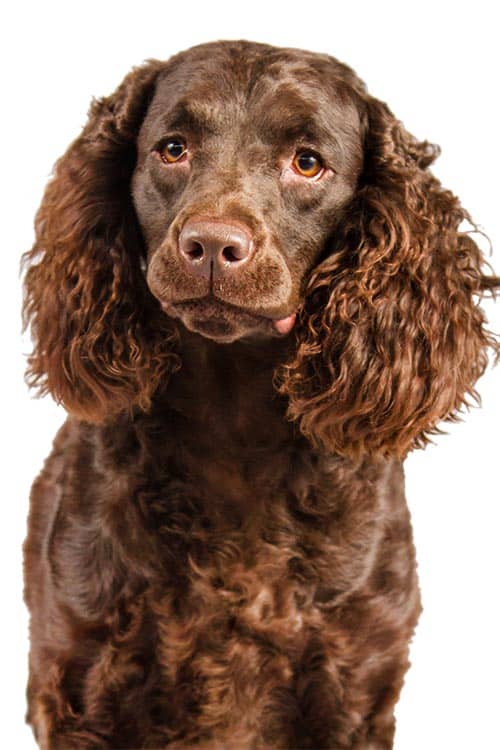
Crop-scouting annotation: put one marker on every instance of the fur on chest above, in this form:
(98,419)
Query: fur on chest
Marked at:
(265,548)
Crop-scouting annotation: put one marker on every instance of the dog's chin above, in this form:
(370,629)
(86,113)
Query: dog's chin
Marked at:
(219,331)
(224,323)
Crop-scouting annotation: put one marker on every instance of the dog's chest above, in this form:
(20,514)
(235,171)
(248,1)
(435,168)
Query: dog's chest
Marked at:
(256,562)
(253,588)
(259,548)
(233,632)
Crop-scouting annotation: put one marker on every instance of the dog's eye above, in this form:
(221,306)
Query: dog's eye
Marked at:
(307,164)
(173,150)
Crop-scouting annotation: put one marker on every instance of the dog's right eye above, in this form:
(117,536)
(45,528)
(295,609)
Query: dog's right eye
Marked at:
(173,150)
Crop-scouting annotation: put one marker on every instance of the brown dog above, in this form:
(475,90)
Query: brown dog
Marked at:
(253,298)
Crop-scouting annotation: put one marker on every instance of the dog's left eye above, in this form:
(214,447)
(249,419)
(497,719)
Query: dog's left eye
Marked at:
(307,164)
(173,150)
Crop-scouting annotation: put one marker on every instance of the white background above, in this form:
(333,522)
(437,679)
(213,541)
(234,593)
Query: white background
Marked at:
(436,64)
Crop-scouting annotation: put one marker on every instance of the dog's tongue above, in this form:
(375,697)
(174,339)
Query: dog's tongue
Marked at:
(285,325)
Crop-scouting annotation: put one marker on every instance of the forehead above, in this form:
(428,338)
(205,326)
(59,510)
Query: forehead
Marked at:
(281,93)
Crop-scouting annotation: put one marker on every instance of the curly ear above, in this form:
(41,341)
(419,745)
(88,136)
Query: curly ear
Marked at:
(100,342)
(390,337)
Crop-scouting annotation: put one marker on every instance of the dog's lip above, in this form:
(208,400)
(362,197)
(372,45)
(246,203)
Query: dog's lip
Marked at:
(282,325)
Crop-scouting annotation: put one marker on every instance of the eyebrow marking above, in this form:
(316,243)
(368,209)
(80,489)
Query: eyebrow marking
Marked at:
(191,115)
(293,128)
(288,114)
(288,127)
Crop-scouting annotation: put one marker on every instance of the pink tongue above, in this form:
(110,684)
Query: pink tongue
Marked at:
(285,325)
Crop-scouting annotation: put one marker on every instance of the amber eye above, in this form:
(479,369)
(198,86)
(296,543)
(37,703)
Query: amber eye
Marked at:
(307,164)
(173,150)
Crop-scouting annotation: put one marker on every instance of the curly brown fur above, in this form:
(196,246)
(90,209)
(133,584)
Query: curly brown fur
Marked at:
(219,551)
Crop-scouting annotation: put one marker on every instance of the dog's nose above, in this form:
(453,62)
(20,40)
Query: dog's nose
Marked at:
(214,247)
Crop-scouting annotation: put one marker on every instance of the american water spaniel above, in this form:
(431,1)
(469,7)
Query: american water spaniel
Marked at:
(253,299)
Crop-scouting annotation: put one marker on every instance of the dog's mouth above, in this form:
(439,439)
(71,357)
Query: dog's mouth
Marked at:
(224,322)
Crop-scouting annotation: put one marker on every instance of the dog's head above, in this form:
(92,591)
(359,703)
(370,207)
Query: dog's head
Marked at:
(247,192)
(246,158)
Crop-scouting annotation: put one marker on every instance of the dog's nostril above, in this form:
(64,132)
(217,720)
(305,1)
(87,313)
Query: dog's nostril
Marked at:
(194,250)
(233,254)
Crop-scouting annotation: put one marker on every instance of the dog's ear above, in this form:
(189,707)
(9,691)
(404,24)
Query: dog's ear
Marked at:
(101,344)
(391,338)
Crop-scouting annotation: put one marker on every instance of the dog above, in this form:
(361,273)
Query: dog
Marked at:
(254,299)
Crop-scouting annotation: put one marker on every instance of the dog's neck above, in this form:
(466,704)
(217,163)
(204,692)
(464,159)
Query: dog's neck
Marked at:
(226,391)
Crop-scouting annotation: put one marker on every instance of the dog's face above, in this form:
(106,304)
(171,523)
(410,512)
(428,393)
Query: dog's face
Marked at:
(238,185)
